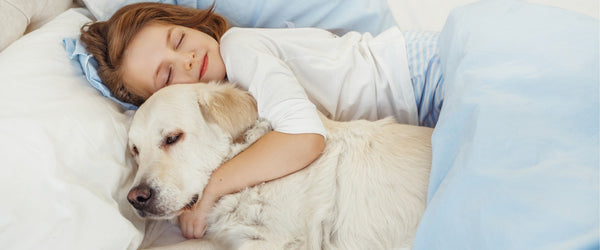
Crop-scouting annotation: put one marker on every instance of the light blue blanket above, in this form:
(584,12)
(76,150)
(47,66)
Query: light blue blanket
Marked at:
(516,147)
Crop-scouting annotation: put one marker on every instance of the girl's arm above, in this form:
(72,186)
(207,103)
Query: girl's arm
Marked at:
(273,156)
(256,62)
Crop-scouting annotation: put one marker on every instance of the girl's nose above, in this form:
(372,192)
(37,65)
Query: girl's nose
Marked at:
(189,60)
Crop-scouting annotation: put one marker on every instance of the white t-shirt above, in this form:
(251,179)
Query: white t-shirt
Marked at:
(293,72)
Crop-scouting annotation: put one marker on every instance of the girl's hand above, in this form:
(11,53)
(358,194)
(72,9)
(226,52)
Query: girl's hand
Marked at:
(193,221)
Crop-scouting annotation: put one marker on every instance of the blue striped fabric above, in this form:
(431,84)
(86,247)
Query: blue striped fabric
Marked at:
(426,74)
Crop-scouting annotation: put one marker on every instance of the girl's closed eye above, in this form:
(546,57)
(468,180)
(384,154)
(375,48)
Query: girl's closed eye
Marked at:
(180,40)
(169,76)
(170,72)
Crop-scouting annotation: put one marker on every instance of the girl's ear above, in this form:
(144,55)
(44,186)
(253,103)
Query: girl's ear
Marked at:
(233,109)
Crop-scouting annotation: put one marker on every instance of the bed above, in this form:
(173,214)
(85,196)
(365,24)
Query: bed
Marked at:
(515,152)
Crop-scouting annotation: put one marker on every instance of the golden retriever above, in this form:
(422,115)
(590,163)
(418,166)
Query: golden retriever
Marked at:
(366,191)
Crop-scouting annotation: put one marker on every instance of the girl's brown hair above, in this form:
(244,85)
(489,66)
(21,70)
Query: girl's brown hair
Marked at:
(107,40)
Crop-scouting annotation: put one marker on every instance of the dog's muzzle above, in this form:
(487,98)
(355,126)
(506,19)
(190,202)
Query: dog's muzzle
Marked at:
(142,198)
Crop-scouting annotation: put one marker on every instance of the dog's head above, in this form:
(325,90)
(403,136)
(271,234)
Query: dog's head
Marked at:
(178,137)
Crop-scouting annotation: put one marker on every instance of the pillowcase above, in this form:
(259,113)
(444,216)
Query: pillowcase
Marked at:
(78,54)
(372,16)
(19,16)
(515,150)
(65,172)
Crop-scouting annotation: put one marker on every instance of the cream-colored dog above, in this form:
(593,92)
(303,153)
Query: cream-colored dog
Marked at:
(366,191)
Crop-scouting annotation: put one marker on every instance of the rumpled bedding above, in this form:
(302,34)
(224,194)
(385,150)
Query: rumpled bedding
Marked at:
(64,170)
(516,148)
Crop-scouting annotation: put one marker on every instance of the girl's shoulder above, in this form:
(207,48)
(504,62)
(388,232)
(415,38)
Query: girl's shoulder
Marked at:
(245,35)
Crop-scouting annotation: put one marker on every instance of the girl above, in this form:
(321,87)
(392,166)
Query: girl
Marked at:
(292,73)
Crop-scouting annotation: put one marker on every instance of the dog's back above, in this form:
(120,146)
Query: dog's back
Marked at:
(382,178)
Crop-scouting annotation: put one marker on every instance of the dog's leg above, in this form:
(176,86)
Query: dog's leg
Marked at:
(197,244)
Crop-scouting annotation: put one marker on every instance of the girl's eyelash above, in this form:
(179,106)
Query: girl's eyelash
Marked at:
(180,40)
(170,69)
(168,77)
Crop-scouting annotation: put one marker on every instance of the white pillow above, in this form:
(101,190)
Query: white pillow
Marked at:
(65,171)
(17,17)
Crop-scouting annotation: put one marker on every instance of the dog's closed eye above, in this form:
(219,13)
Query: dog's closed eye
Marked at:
(172,138)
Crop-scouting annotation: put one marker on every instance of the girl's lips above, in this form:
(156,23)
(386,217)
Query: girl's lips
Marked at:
(204,66)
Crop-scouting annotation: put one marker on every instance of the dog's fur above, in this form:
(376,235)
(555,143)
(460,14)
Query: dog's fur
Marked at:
(366,191)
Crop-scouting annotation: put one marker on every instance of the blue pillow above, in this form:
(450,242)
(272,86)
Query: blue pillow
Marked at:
(516,148)
(77,53)
(339,16)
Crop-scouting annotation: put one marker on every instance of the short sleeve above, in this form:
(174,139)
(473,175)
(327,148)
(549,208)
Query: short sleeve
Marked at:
(254,62)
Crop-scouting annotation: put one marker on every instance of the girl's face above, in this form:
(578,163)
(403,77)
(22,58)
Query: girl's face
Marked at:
(163,54)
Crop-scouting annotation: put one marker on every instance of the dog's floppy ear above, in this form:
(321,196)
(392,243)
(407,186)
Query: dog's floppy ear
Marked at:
(233,109)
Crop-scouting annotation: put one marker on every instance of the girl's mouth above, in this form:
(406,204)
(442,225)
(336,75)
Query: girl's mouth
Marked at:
(204,66)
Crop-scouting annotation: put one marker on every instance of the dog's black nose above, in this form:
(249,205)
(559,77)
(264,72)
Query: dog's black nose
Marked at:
(140,196)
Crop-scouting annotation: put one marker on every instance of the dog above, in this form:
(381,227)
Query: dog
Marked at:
(367,190)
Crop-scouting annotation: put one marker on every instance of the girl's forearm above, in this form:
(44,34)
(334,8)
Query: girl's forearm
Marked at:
(273,156)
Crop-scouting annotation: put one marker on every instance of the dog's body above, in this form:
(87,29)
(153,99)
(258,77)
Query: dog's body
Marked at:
(366,191)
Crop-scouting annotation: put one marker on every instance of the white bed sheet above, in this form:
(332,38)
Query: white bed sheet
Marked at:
(64,173)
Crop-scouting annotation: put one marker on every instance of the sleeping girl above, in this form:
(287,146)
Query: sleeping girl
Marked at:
(292,73)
